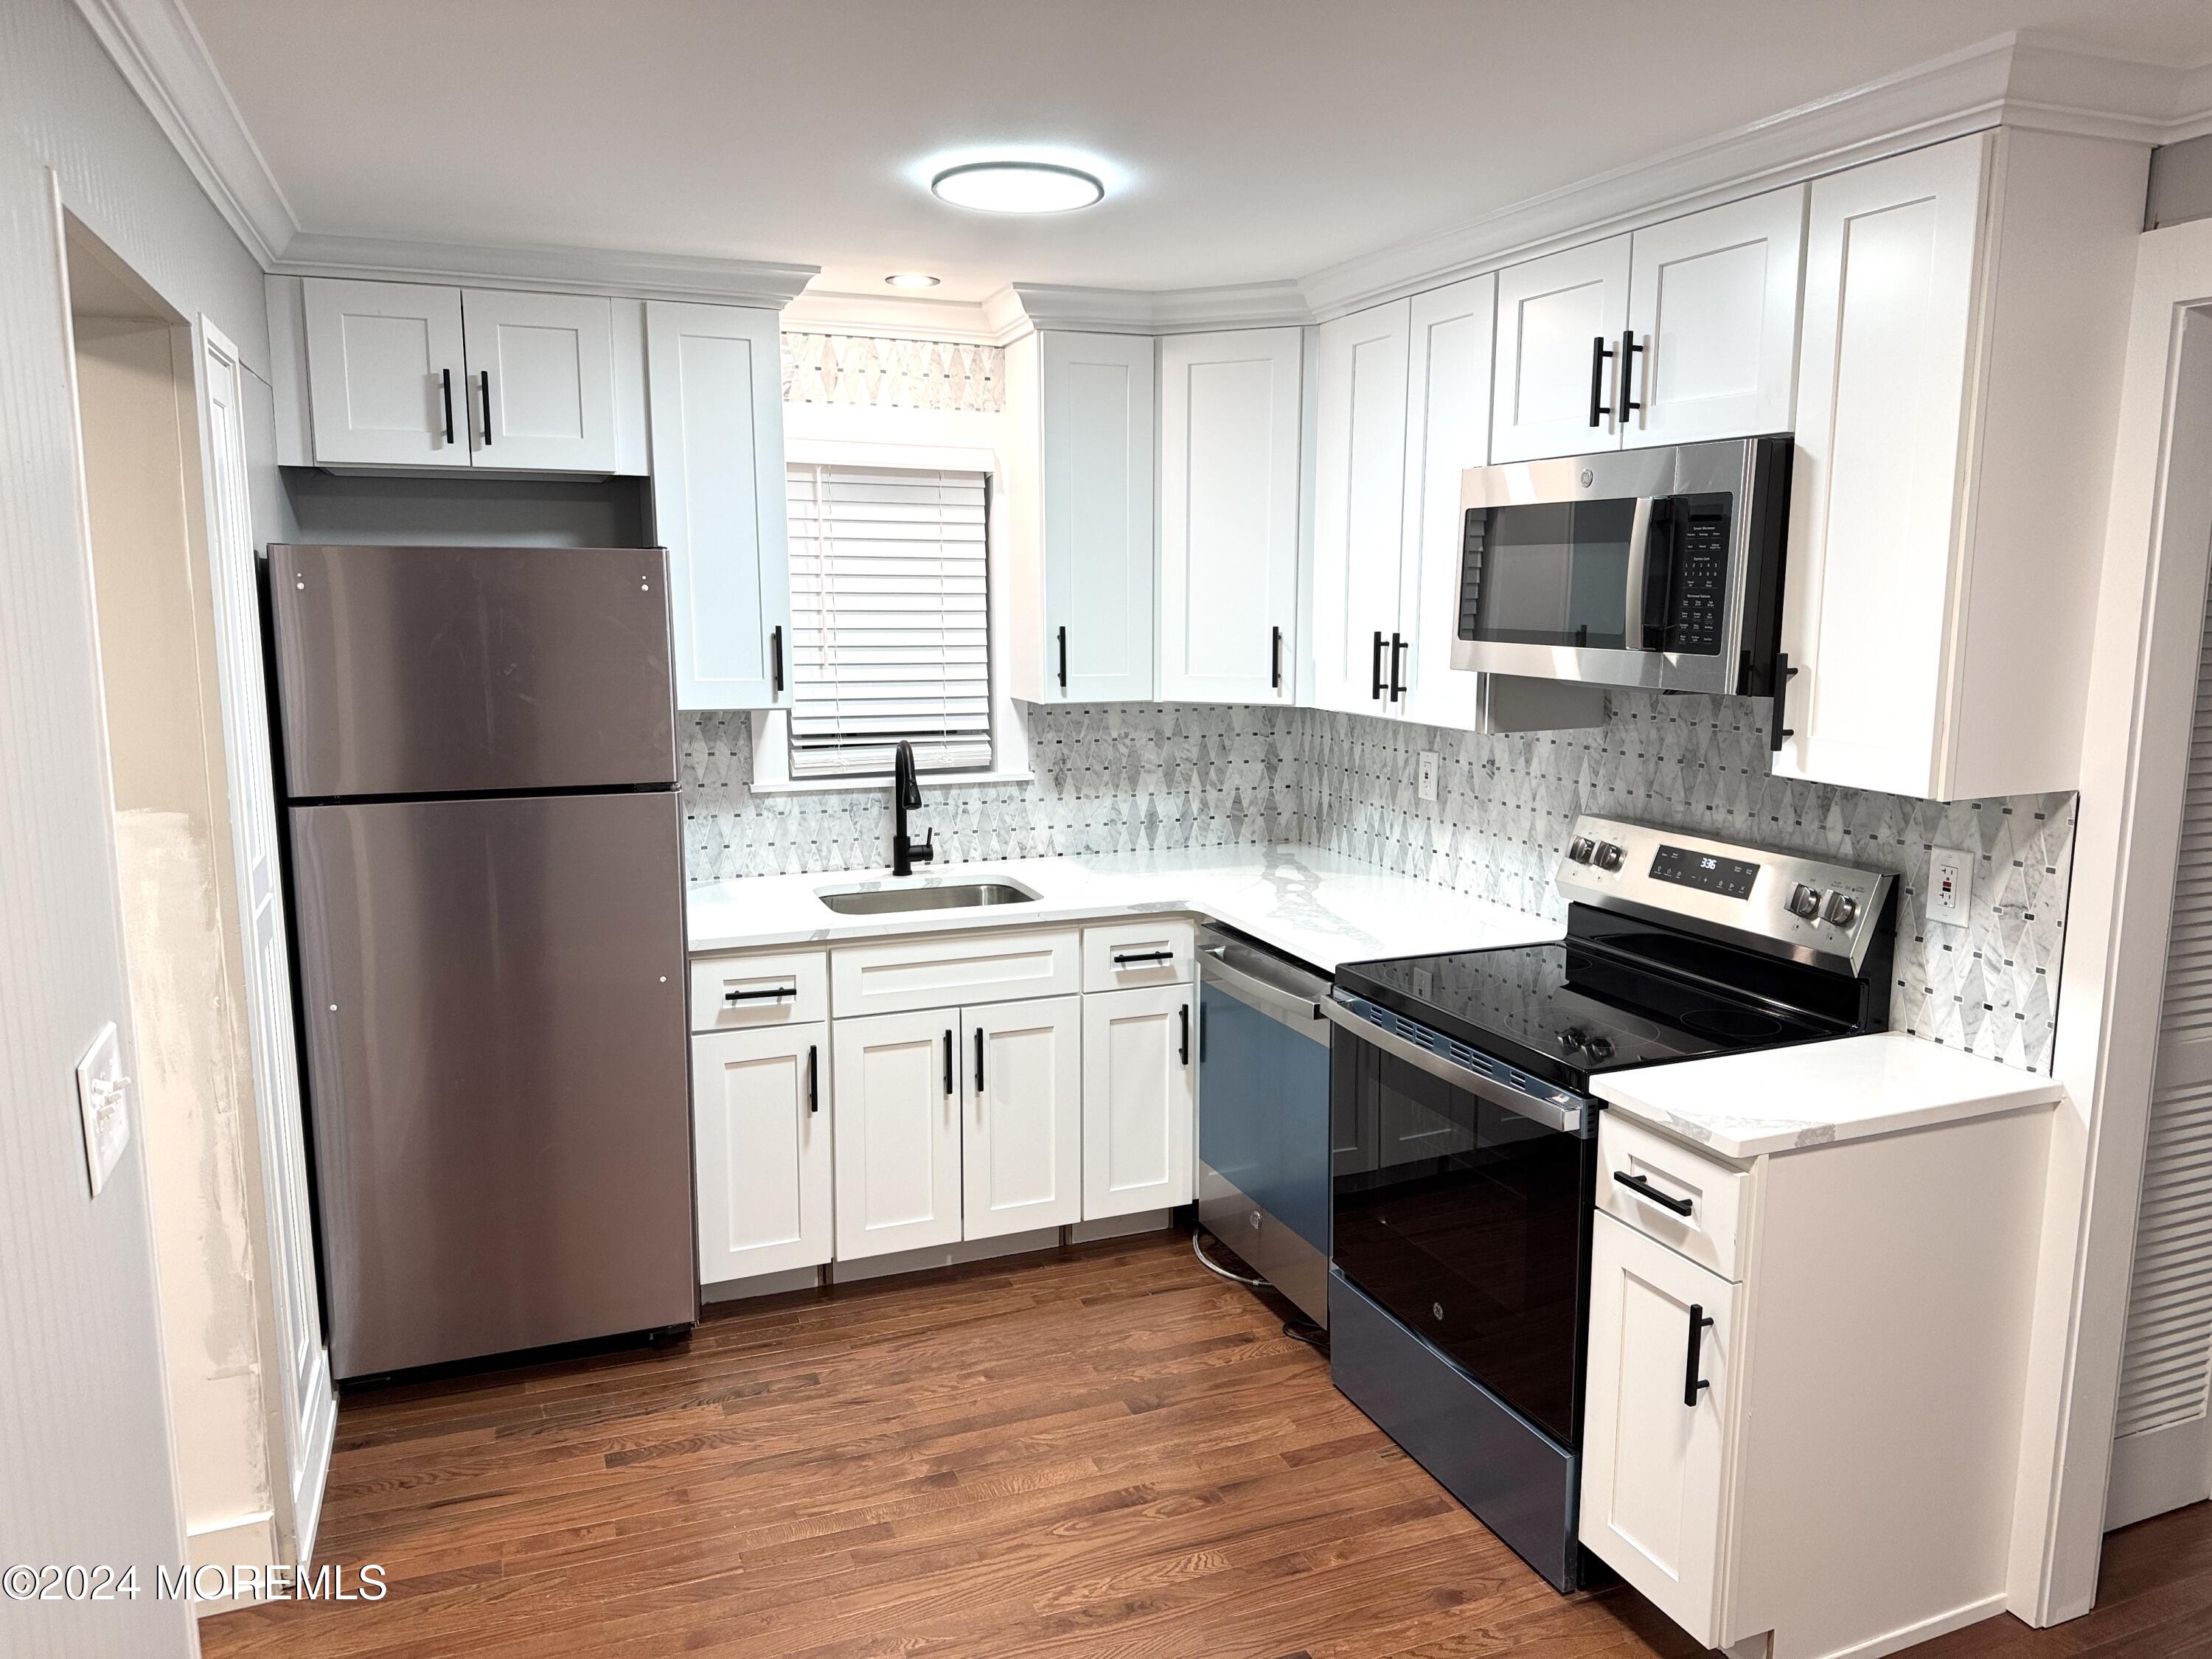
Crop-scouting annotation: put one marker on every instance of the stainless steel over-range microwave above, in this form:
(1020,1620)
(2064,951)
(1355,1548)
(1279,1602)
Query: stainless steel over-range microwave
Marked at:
(1653,568)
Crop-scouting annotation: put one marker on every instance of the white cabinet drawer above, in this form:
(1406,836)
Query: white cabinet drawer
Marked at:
(1131,954)
(899,974)
(1693,1204)
(743,993)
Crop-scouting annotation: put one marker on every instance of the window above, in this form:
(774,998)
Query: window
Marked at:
(890,619)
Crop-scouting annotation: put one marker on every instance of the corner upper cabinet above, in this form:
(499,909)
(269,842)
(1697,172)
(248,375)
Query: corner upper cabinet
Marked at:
(1229,407)
(715,385)
(1560,320)
(387,374)
(1081,506)
(1965,308)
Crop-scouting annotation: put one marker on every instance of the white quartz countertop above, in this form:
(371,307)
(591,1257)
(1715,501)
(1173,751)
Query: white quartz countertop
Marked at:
(1778,1100)
(1322,907)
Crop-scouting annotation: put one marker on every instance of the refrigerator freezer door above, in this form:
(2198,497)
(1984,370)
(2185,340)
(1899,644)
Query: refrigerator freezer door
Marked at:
(497,1043)
(416,671)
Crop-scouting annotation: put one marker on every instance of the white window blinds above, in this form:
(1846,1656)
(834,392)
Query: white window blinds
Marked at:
(889,620)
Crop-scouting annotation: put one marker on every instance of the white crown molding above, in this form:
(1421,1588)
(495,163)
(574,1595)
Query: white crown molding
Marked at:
(893,316)
(1171,311)
(554,269)
(167,64)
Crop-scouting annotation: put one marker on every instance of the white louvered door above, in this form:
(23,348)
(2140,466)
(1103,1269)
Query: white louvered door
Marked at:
(2162,1455)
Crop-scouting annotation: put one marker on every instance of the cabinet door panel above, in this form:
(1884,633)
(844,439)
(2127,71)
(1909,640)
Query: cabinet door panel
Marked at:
(1229,515)
(1552,314)
(761,1134)
(1359,482)
(898,1133)
(1022,1145)
(1138,1095)
(382,358)
(1889,302)
(541,380)
(1448,430)
(1654,1466)
(716,389)
(1712,301)
(1098,393)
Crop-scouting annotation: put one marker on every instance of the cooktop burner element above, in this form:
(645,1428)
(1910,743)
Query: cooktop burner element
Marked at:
(1733,1024)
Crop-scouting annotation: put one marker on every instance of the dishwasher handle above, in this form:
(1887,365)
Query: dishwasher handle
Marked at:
(1290,1006)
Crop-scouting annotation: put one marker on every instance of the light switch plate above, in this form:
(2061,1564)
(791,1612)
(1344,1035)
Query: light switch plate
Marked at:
(1950,884)
(103,1096)
(1428,776)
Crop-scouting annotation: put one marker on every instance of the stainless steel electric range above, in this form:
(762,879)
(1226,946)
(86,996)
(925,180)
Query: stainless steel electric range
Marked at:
(1464,1135)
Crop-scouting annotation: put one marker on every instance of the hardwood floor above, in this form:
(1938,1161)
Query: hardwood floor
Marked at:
(1103,1452)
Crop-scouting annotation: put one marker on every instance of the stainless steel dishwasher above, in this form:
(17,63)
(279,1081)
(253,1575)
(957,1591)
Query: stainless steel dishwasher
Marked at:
(1263,1121)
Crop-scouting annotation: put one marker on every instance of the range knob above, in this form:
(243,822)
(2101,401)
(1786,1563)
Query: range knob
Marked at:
(1842,910)
(1805,901)
(1609,856)
(1570,1038)
(1600,1050)
(1582,850)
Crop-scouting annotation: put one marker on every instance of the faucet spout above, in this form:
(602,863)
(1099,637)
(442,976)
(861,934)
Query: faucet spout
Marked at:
(906,797)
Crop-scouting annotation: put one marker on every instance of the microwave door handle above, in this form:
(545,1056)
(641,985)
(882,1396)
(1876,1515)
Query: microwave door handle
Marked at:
(1639,549)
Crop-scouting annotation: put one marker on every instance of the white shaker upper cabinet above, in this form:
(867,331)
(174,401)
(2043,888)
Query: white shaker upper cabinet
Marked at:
(1360,503)
(760,1119)
(387,376)
(1229,515)
(1022,1144)
(715,374)
(1712,322)
(1560,320)
(541,380)
(897,1120)
(1097,440)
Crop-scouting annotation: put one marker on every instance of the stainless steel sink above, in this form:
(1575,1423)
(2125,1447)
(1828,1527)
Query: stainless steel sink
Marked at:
(935,896)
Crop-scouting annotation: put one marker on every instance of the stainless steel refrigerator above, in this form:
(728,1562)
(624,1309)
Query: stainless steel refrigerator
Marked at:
(479,760)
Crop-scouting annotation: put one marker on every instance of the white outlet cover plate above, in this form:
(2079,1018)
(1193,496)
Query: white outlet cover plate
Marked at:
(1950,884)
(103,1097)
(1428,775)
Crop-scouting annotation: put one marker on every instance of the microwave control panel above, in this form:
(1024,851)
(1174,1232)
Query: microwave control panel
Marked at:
(1701,532)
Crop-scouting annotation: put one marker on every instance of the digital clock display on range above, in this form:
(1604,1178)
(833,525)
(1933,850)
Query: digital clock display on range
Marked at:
(1707,872)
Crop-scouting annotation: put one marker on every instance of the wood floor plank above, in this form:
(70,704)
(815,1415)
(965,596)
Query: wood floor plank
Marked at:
(1102,1451)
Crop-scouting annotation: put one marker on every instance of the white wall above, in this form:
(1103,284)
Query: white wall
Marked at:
(86,1473)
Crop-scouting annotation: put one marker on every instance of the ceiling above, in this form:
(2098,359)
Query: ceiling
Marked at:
(1241,140)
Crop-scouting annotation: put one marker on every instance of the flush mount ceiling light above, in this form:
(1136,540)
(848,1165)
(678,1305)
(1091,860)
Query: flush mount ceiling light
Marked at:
(1017,188)
(910,279)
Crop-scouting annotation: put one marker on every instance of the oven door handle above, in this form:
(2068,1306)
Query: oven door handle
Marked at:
(1568,1120)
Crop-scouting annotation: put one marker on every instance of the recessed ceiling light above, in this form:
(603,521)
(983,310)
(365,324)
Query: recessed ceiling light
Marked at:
(1017,188)
(910,279)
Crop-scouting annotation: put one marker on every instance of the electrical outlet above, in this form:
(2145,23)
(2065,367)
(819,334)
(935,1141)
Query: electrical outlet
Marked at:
(103,1098)
(1428,785)
(1950,884)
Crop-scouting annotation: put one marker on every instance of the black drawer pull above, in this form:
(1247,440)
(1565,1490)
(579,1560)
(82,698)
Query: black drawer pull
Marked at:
(979,1060)
(1130,958)
(1185,1013)
(813,1078)
(1642,1187)
(774,993)
(1692,1384)
(948,1061)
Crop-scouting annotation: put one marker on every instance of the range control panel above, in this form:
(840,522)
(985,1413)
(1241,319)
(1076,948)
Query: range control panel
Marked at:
(1783,903)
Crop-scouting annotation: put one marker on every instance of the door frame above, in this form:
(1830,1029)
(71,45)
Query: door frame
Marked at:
(2141,695)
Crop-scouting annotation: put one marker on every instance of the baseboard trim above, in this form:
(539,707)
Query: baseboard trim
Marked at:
(248,1542)
(774,1284)
(2158,1470)
(1926,1630)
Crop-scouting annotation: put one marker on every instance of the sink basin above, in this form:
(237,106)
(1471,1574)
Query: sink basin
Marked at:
(936,895)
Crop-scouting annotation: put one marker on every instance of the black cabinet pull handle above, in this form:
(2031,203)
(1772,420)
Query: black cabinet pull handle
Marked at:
(1783,673)
(484,379)
(446,390)
(1599,356)
(1692,1384)
(1063,660)
(948,1060)
(775,660)
(1397,662)
(1628,349)
(979,1060)
(1129,958)
(777,993)
(1275,661)
(1642,1187)
(1185,1013)
(813,1078)
(1376,692)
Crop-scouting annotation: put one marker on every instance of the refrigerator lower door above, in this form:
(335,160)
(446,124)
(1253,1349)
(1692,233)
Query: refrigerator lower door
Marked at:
(497,1052)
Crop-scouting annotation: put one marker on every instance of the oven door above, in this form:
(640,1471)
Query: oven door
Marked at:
(1628,568)
(1466,1220)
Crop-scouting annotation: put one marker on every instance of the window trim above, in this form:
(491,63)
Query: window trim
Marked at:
(1010,745)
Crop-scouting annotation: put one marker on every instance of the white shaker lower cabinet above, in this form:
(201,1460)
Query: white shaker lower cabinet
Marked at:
(897,1113)
(1799,1440)
(1140,1090)
(1022,1142)
(760,1117)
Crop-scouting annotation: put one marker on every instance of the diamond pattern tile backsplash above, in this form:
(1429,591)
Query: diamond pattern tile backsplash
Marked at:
(1137,777)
